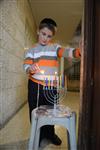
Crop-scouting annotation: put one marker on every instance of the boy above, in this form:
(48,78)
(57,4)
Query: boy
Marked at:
(44,57)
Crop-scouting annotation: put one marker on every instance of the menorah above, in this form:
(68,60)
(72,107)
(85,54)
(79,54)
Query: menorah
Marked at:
(54,89)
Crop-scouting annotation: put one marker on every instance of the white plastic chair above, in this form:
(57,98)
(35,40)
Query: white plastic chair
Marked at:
(45,115)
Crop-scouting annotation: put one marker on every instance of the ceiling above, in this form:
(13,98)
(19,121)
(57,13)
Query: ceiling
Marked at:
(66,13)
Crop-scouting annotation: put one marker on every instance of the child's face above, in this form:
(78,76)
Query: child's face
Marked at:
(44,36)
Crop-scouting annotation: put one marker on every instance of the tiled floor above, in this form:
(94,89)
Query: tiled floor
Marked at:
(15,135)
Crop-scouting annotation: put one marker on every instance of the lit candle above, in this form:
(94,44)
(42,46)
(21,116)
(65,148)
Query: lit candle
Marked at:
(42,71)
(55,75)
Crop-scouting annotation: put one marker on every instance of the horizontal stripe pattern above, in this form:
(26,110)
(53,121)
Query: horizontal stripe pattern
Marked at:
(29,55)
(49,63)
(47,54)
(28,61)
(46,58)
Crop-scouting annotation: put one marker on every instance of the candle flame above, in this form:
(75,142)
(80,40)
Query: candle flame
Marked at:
(42,71)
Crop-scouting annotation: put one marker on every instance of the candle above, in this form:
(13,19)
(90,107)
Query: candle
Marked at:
(58,82)
(46,82)
(65,81)
(49,82)
(62,80)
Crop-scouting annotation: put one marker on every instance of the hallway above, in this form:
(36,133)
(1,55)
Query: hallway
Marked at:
(15,134)
(18,28)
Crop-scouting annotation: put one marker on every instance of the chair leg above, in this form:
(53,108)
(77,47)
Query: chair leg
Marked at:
(72,133)
(37,137)
(32,135)
(68,140)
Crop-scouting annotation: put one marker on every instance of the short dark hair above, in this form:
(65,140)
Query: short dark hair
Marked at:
(49,23)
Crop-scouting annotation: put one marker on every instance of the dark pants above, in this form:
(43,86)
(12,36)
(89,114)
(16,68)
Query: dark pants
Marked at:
(47,131)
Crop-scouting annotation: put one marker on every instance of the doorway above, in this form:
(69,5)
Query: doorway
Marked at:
(89,122)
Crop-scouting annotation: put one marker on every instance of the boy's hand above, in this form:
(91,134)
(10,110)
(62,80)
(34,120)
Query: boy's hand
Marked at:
(34,69)
(77,53)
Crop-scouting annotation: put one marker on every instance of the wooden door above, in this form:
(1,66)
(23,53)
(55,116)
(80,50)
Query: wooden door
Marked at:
(89,121)
(95,114)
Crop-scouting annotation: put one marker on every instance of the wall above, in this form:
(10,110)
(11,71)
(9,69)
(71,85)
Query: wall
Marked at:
(17,31)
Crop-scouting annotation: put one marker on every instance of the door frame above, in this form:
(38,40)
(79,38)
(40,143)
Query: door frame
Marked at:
(86,77)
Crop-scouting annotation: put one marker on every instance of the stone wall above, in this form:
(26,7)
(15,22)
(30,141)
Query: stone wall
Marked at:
(17,31)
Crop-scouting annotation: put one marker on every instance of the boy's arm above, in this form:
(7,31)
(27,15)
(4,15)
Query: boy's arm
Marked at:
(29,65)
(69,53)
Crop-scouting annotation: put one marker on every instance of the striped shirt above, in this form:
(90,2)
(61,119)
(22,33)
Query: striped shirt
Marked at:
(47,59)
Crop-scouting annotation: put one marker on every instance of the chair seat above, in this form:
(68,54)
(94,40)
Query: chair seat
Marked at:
(48,115)
(58,111)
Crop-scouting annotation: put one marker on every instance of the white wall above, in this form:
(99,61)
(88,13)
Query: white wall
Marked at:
(17,30)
